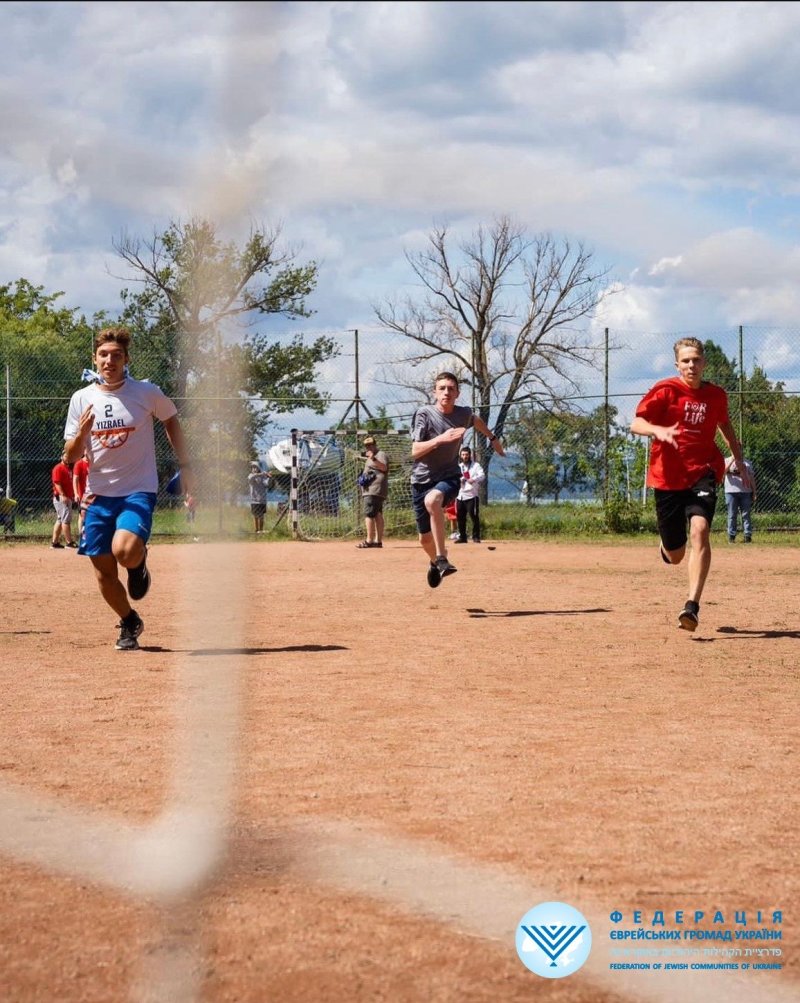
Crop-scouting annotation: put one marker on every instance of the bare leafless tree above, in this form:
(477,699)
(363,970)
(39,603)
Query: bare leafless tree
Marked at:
(504,310)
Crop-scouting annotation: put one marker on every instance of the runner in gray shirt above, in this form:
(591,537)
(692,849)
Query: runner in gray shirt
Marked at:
(435,476)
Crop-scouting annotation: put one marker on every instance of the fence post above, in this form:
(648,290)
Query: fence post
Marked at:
(293,489)
(8,431)
(606,430)
(741,386)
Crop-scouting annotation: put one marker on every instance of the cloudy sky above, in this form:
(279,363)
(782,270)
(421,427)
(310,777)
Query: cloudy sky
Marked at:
(665,136)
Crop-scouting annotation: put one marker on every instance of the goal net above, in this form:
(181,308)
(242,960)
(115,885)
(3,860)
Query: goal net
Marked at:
(318,472)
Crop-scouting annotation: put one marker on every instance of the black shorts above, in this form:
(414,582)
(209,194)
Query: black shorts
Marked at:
(258,508)
(674,509)
(373,505)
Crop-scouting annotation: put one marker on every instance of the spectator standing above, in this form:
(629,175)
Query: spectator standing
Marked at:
(257,484)
(374,483)
(80,473)
(739,498)
(467,501)
(190,505)
(63,497)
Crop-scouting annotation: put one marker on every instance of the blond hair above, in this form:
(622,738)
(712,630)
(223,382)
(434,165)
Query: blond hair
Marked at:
(688,343)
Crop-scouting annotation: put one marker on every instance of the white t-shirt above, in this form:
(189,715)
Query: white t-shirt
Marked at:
(733,482)
(470,487)
(121,448)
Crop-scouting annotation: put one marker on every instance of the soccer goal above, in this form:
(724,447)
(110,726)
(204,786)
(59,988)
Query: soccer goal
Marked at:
(318,472)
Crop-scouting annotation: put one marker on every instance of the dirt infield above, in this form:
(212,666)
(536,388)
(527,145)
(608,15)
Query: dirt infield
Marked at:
(414,768)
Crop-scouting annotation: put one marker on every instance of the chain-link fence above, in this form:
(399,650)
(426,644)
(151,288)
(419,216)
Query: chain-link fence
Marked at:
(570,447)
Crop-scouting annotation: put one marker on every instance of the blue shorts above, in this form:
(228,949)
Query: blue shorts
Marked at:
(103,516)
(448,486)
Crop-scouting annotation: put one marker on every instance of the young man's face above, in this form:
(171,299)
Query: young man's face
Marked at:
(446,393)
(466,456)
(690,365)
(110,359)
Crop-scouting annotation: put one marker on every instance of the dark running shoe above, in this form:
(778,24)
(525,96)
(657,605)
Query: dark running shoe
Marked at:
(687,618)
(444,567)
(434,577)
(459,540)
(128,632)
(139,580)
(57,546)
(73,545)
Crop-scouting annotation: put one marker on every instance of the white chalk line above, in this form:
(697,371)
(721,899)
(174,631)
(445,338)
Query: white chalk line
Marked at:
(489,902)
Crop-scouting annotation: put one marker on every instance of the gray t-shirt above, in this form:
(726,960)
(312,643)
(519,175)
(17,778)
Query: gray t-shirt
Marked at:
(380,485)
(442,462)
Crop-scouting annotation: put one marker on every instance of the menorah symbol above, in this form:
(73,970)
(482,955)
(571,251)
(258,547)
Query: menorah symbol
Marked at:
(553,939)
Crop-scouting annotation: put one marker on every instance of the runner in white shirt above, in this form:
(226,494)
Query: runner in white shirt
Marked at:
(112,422)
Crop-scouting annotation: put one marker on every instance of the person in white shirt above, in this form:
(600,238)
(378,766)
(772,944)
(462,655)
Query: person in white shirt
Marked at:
(467,501)
(112,423)
(739,498)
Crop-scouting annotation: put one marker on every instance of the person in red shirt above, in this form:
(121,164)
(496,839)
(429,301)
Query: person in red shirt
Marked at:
(61,476)
(80,473)
(681,415)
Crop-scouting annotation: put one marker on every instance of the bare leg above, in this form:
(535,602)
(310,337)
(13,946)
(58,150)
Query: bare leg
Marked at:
(369,529)
(434,502)
(426,541)
(675,556)
(379,527)
(699,557)
(127,549)
(111,588)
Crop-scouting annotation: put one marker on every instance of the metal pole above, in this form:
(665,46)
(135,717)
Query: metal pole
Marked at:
(741,386)
(607,434)
(8,431)
(293,491)
(358,386)
(474,394)
(219,433)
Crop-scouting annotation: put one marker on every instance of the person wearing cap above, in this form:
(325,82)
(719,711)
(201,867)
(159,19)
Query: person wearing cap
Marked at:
(257,484)
(374,483)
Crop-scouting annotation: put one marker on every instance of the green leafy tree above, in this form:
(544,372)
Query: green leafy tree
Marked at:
(769,420)
(195,334)
(46,347)
(556,451)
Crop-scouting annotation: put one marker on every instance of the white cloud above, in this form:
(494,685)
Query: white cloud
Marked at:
(664,136)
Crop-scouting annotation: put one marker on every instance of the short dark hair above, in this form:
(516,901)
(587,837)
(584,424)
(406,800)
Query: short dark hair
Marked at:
(447,376)
(120,335)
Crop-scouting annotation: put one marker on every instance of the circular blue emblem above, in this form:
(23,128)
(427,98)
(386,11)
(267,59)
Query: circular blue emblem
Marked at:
(553,940)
